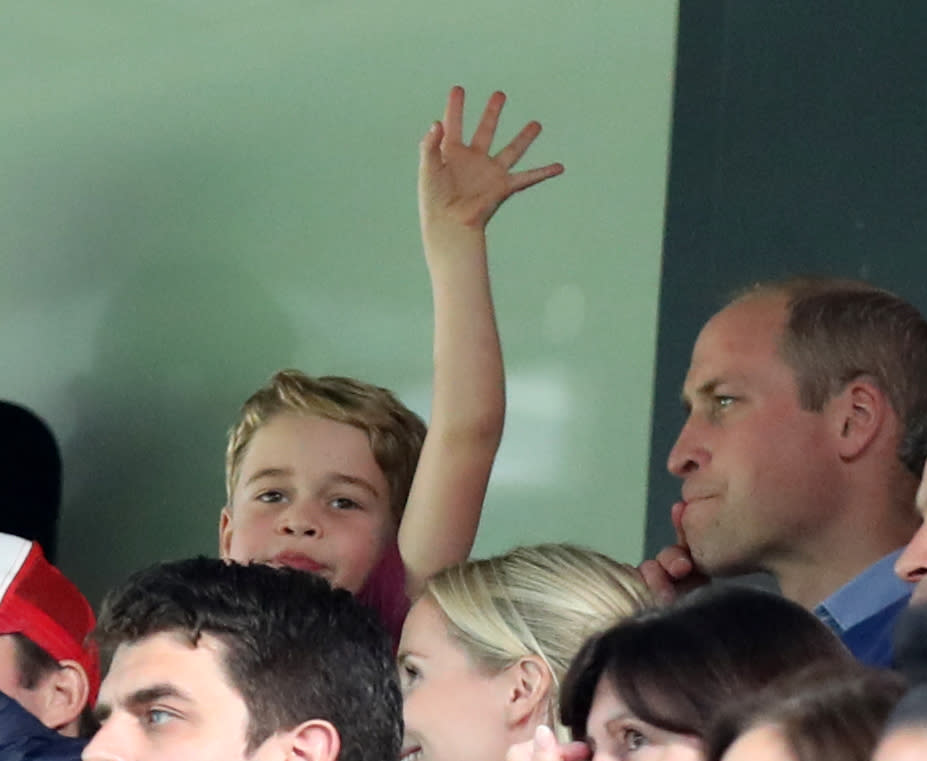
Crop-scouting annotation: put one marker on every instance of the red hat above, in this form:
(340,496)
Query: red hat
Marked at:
(39,602)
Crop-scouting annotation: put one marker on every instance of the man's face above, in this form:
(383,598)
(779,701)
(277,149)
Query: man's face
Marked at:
(912,563)
(167,700)
(756,468)
(10,679)
(309,495)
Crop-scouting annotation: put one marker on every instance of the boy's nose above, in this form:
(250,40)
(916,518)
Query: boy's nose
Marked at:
(302,518)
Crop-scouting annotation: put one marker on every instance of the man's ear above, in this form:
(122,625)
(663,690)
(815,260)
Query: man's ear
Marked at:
(313,740)
(63,693)
(528,691)
(225,532)
(860,413)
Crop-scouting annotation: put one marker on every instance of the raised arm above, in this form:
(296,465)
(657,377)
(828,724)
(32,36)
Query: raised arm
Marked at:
(460,187)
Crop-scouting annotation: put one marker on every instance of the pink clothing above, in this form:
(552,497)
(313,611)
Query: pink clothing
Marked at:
(385,592)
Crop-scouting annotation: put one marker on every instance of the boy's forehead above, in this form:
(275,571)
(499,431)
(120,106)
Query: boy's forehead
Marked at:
(296,440)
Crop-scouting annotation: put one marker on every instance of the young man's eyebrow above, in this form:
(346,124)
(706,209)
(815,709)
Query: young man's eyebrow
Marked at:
(269,472)
(139,698)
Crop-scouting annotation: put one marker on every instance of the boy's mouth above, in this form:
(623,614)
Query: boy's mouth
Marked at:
(298,561)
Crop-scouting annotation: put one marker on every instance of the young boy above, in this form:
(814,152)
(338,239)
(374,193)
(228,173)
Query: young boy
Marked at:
(336,476)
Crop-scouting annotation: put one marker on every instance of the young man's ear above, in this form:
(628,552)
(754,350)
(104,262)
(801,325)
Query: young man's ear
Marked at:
(63,693)
(860,413)
(529,691)
(225,532)
(313,740)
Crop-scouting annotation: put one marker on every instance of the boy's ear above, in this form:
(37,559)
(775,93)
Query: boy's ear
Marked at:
(63,693)
(225,532)
(529,691)
(313,740)
(860,412)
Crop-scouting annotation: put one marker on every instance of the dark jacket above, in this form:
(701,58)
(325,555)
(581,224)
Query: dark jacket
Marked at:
(24,738)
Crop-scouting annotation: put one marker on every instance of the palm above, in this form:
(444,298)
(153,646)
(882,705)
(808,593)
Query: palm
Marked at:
(467,182)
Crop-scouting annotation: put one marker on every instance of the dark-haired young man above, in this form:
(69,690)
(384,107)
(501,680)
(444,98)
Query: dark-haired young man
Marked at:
(49,673)
(800,398)
(223,662)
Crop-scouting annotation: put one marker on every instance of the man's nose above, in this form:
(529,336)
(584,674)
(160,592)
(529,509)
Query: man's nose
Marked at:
(108,744)
(690,452)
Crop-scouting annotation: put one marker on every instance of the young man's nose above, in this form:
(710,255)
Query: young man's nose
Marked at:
(107,745)
(912,563)
(688,453)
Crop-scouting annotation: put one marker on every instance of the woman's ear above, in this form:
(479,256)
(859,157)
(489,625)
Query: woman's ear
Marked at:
(225,532)
(313,740)
(529,683)
(64,693)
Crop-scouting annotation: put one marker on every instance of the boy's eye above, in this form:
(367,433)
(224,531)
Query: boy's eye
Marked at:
(270,496)
(343,503)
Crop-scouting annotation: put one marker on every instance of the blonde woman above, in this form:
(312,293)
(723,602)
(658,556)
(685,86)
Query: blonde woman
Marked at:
(485,647)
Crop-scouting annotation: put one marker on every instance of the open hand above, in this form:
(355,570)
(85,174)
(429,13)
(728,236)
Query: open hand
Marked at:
(463,184)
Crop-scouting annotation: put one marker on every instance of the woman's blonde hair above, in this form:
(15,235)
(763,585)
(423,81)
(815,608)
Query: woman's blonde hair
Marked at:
(544,600)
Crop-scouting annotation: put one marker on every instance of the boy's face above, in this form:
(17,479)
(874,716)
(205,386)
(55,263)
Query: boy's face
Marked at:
(309,495)
(165,699)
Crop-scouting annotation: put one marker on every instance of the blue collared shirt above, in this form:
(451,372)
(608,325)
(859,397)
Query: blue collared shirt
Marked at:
(864,610)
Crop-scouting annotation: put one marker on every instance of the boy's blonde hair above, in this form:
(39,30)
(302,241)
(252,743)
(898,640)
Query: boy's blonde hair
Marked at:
(545,600)
(395,432)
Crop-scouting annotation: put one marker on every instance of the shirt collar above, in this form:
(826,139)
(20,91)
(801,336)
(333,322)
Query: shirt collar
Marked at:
(874,589)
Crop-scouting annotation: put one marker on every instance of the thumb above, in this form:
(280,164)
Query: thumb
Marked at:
(430,148)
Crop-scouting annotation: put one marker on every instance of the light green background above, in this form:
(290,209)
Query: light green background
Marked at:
(195,193)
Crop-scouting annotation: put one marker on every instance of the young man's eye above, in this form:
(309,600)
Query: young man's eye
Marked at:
(723,402)
(155,717)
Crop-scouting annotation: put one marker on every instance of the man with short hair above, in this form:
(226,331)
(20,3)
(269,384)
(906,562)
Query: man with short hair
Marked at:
(49,672)
(215,661)
(799,396)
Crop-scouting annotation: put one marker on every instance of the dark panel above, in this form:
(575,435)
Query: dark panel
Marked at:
(799,147)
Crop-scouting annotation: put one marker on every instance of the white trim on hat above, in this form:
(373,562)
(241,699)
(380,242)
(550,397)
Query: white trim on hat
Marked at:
(13,553)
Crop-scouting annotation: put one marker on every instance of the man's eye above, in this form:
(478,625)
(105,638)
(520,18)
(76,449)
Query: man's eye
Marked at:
(156,717)
(723,402)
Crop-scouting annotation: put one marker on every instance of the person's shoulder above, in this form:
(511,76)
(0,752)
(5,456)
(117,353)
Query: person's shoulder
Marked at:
(25,738)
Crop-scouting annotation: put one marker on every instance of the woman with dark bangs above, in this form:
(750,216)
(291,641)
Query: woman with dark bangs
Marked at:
(650,687)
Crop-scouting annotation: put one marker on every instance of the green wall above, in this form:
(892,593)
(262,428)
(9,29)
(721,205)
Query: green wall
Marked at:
(194,193)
